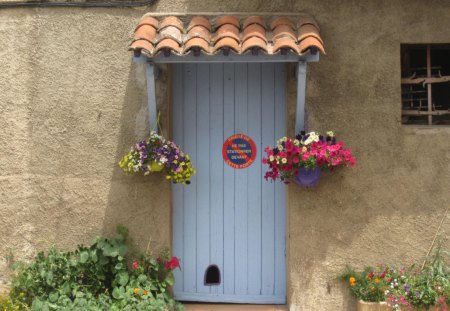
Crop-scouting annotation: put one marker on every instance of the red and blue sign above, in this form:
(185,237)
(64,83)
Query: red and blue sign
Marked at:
(239,151)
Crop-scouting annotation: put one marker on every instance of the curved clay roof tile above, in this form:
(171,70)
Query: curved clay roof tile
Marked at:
(227,30)
(306,19)
(310,42)
(170,44)
(145,32)
(197,42)
(283,43)
(199,21)
(148,20)
(254,42)
(171,21)
(308,30)
(171,32)
(227,19)
(254,30)
(283,31)
(254,20)
(281,21)
(226,42)
(199,32)
(142,45)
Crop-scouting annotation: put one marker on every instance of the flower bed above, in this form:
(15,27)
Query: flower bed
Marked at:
(94,278)
(401,288)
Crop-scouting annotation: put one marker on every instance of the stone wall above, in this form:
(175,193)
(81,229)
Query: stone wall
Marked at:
(72,102)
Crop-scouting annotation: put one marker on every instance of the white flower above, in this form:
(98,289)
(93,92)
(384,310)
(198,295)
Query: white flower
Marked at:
(280,147)
(304,149)
(271,158)
(330,133)
(284,160)
(296,142)
(163,159)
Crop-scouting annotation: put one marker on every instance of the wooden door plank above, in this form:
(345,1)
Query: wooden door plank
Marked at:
(240,184)
(280,195)
(228,177)
(203,160)
(177,190)
(190,193)
(254,181)
(268,188)
(216,170)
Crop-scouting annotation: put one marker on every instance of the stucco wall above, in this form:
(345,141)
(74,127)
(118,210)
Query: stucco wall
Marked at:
(72,102)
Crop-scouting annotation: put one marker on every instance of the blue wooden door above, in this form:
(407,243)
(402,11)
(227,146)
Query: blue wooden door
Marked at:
(229,219)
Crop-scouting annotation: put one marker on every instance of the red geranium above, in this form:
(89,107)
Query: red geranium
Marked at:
(173,263)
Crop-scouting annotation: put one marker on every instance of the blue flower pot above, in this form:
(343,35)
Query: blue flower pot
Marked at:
(307,177)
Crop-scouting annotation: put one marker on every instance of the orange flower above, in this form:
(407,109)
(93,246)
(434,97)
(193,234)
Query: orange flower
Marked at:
(372,289)
(377,280)
(352,281)
(145,292)
(136,290)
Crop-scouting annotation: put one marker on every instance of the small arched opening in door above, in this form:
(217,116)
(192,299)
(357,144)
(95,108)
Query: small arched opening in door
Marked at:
(212,276)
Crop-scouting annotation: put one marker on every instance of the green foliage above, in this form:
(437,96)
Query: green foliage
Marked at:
(371,283)
(432,285)
(93,278)
(404,287)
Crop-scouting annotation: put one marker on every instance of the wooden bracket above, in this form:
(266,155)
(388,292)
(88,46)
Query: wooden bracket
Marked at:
(151,97)
(301,92)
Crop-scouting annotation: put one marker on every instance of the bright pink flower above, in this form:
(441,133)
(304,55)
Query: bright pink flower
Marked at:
(135,265)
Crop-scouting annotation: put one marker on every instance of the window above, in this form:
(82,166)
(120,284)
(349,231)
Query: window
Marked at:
(425,84)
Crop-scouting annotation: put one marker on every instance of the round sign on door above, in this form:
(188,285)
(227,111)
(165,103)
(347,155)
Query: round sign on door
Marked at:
(239,151)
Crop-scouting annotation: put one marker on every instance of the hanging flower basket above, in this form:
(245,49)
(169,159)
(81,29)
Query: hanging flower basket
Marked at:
(302,159)
(307,177)
(158,154)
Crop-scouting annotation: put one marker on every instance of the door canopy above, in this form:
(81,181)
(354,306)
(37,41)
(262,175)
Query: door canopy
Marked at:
(227,36)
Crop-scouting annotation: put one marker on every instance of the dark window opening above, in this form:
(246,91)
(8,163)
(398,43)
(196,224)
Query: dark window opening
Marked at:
(425,84)
(212,276)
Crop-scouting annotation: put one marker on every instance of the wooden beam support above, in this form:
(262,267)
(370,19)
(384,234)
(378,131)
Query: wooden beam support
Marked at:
(151,97)
(301,94)
(425,113)
(424,80)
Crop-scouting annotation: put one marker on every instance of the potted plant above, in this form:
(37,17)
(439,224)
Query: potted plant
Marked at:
(391,288)
(301,159)
(158,154)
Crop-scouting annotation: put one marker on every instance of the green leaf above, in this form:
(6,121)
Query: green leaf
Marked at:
(94,256)
(122,278)
(84,256)
(122,250)
(118,292)
(142,278)
(53,297)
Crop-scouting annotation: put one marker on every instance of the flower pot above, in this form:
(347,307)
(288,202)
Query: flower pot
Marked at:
(307,177)
(372,306)
(155,167)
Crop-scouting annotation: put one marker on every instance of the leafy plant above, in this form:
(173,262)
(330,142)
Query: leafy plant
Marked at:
(94,278)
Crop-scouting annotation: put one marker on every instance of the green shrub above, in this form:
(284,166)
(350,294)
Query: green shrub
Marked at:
(95,278)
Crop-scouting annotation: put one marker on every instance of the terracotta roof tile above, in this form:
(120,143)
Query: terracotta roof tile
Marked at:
(283,31)
(227,30)
(254,42)
(281,21)
(199,21)
(168,44)
(227,19)
(197,34)
(254,20)
(227,43)
(145,32)
(255,30)
(199,43)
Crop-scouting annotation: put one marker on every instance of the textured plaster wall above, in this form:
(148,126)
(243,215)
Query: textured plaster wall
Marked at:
(72,102)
